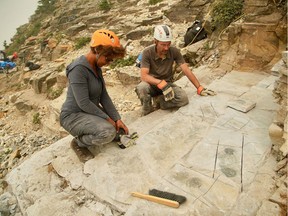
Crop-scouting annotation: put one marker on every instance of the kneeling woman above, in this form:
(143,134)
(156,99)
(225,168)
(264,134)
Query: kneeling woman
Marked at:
(88,112)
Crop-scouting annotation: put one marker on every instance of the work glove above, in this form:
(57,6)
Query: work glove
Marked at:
(127,140)
(167,90)
(205,92)
(120,133)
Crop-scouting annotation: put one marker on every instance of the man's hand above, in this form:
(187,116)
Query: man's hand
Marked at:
(167,90)
(205,92)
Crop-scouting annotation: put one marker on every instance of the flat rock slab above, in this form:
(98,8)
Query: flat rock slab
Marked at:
(205,151)
(241,105)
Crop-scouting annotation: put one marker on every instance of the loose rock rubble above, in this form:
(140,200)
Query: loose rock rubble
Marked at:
(20,137)
(278,133)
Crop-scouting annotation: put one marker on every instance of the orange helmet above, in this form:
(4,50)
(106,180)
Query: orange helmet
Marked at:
(105,38)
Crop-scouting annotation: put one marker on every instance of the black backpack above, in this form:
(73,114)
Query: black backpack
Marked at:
(194,33)
(3,56)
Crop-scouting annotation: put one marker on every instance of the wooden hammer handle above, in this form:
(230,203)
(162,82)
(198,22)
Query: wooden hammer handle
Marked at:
(156,199)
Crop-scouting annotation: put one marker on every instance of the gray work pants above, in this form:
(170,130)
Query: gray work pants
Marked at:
(89,130)
(146,91)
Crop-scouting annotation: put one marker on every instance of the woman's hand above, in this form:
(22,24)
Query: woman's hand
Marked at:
(120,124)
(112,122)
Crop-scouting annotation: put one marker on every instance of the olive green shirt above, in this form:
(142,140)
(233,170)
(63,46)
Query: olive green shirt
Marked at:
(161,68)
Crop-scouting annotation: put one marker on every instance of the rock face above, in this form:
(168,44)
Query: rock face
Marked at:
(254,41)
(216,151)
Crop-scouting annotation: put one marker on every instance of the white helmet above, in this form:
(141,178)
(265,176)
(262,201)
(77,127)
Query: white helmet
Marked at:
(163,33)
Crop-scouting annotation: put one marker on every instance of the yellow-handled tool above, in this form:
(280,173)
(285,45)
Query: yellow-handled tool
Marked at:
(156,199)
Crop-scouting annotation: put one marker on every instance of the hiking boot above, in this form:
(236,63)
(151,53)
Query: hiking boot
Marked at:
(147,106)
(156,102)
(82,153)
(147,111)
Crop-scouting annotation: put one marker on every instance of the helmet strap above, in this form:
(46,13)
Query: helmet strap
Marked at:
(97,54)
(156,43)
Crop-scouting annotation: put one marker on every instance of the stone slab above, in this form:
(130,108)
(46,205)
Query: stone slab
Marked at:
(241,105)
(269,208)
(204,187)
(204,151)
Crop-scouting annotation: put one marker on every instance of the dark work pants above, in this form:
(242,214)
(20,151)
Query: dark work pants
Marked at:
(146,91)
(89,130)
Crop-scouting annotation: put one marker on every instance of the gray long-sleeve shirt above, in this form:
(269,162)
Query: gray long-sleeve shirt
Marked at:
(87,92)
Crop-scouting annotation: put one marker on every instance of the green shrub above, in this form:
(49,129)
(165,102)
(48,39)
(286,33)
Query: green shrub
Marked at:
(104,5)
(206,46)
(54,93)
(225,11)
(123,62)
(153,2)
(80,42)
(35,29)
(45,7)
(36,118)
